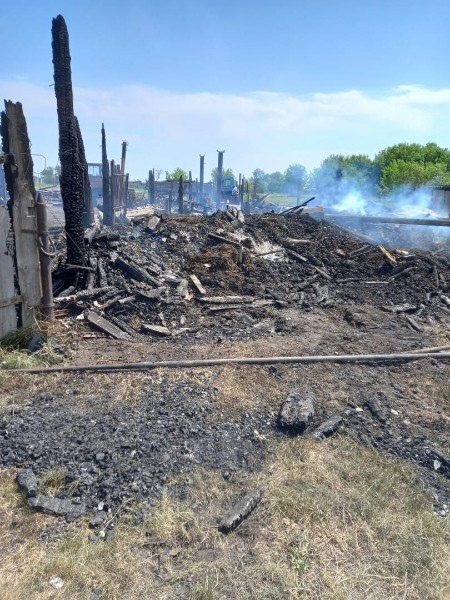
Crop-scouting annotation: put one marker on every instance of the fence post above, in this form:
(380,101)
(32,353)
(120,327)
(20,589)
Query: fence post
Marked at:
(8,318)
(45,256)
(20,174)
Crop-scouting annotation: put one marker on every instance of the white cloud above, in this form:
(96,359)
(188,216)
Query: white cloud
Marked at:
(262,129)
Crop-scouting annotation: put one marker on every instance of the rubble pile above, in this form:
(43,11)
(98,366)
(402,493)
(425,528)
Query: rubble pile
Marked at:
(194,276)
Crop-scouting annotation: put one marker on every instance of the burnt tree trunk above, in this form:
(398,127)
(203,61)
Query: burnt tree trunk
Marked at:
(108,212)
(72,172)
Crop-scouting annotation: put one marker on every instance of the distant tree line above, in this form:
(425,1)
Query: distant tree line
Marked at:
(407,166)
(400,166)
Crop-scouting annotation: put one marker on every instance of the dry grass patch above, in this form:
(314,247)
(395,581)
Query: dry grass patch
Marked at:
(246,388)
(336,522)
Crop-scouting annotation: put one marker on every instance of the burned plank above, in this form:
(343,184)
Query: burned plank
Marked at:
(366,249)
(400,308)
(305,284)
(156,260)
(226,299)
(297,256)
(120,323)
(401,272)
(414,324)
(219,238)
(101,273)
(387,255)
(154,294)
(135,271)
(111,302)
(196,281)
(104,325)
(224,308)
(241,510)
(92,274)
(322,272)
(86,294)
(328,427)
(296,241)
(158,330)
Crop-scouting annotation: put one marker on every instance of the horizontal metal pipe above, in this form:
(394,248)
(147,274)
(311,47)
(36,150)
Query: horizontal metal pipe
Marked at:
(213,362)
(397,220)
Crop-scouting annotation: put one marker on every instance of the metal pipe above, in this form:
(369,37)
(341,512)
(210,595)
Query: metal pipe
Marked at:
(45,260)
(395,220)
(213,362)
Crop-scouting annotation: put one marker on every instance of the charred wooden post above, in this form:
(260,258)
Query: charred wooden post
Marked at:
(112,187)
(19,180)
(9,161)
(151,186)
(202,179)
(72,169)
(108,212)
(180,197)
(125,192)
(247,201)
(45,256)
(8,318)
(123,199)
(219,179)
(190,187)
(239,190)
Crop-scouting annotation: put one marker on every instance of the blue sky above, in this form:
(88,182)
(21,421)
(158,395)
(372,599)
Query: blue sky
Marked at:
(272,83)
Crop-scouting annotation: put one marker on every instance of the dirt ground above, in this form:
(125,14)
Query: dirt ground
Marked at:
(363,514)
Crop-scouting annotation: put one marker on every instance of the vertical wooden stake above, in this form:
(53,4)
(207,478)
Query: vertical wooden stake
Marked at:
(20,176)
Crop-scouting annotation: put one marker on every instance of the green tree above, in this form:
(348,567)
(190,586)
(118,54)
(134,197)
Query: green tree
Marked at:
(225,173)
(339,174)
(295,179)
(48,176)
(402,173)
(412,165)
(258,181)
(275,181)
(176,174)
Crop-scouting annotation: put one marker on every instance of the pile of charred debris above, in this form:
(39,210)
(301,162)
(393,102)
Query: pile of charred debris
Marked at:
(169,275)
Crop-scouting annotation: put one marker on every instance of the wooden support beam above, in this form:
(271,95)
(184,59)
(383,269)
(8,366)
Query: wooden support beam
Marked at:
(104,325)
(8,319)
(20,176)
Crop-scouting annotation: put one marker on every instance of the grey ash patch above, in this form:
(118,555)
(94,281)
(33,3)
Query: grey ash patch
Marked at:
(110,455)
